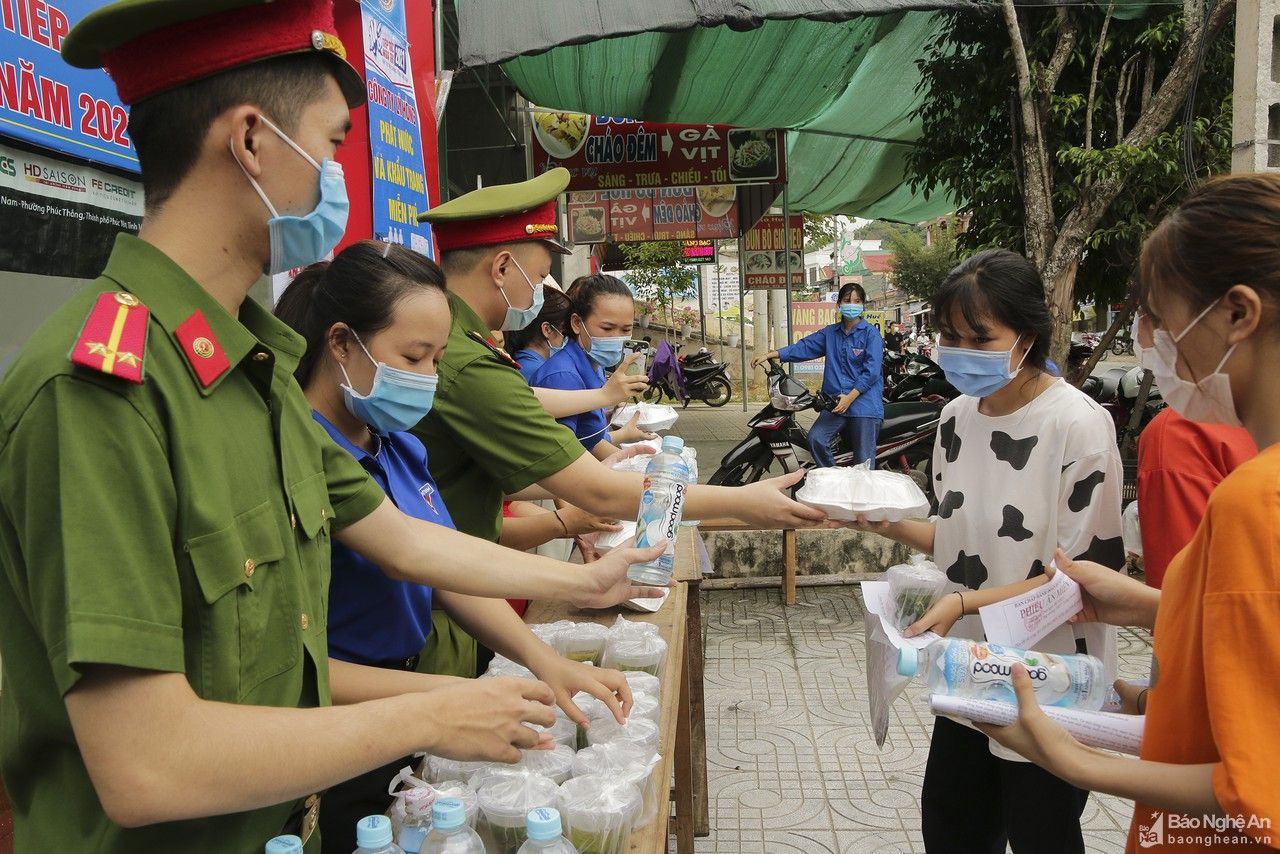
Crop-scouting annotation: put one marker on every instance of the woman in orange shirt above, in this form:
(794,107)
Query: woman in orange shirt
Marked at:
(1209,774)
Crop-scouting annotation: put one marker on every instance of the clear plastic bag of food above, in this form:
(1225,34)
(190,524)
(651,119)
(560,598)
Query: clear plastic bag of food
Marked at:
(644,683)
(440,769)
(501,666)
(846,492)
(599,813)
(635,646)
(582,641)
(627,762)
(563,731)
(640,731)
(915,587)
(505,801)
(405,786)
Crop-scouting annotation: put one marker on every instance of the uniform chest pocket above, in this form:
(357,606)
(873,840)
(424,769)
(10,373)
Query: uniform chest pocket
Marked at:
(246,634)
(311,508)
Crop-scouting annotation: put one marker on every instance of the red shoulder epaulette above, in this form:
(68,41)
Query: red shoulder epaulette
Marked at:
(114,337)
(493,346)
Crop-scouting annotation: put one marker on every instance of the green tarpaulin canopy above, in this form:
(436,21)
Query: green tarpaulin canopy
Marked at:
(840,75)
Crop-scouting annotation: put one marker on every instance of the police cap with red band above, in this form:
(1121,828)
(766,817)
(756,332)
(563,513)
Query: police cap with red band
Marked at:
(502,213)
(151,46)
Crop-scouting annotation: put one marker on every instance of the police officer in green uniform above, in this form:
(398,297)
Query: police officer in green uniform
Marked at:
(167,501)
(489,435)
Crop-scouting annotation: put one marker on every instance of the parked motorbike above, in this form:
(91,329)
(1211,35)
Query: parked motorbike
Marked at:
(921,379)
(905,442)
(1116,391)
(700,375)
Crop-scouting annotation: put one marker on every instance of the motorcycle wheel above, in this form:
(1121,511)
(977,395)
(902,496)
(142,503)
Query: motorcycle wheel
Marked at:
(747,471)
(717,392)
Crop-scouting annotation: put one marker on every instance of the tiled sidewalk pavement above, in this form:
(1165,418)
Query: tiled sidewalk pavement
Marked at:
(793,767)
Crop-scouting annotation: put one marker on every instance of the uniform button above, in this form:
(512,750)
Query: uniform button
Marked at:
(293,521)
(306,622)
(260,356)
(249,567)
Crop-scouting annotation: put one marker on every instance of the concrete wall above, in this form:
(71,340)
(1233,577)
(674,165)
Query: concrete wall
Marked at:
(750,554)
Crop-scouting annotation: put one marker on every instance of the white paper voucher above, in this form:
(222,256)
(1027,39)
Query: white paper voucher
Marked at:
(1022,621)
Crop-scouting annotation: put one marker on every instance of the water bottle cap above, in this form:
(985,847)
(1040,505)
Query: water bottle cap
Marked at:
(672,444)
(908,661)
(284,845)
(448,814)
(373,831)
(543,824)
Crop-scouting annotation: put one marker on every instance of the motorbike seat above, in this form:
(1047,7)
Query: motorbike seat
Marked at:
(701,370)
(1109,386)
(908,416)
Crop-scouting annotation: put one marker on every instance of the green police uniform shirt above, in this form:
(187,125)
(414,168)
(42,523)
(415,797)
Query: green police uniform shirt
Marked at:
(487,435)
(168,526)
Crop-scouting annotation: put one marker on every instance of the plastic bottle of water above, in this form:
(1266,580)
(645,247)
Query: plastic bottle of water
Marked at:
(661,507)
(417,819)
(373,836)
(289,844)
(984,671)
(449,832)
(543,827)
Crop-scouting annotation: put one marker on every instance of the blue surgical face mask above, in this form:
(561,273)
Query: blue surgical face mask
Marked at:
(398,399)
(979,373)
(519,318)
(297,241)
(606,352)
(850,311)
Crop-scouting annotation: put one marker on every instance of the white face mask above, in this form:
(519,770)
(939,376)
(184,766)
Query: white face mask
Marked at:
(1208,401)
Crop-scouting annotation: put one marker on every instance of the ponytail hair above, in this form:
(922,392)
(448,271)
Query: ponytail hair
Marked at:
(585,290)
(359,287)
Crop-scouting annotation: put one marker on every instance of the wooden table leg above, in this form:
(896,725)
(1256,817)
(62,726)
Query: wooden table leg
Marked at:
(698,713)
(684,766)
(789,566)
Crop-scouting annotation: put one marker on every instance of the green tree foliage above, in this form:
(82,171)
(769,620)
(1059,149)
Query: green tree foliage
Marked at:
(819,231)
(657,270)
(883,230)
(920,268)
(1097,84)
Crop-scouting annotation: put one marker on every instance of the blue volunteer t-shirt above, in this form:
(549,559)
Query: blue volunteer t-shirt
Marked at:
(854,359)
(373,618)
(529,361)
(572,370)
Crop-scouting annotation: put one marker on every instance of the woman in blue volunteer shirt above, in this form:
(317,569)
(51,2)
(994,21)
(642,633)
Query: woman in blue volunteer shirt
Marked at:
(376,322)
(852,373)
(542,339)
(601,316)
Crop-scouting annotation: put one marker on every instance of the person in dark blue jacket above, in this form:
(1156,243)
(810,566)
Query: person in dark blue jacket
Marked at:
(852,373)
(601,317)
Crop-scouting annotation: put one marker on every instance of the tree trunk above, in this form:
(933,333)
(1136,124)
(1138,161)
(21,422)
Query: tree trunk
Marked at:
(1060,283)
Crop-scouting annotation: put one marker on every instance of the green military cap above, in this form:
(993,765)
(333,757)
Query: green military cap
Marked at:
(150,46)
(502,213)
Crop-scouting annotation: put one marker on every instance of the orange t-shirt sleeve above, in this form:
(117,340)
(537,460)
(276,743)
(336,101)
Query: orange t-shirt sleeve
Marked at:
(1242,670)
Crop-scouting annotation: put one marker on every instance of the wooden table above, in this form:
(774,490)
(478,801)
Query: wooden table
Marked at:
(676,726)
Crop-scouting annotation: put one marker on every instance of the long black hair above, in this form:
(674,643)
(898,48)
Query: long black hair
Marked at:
(359,287)
(585,290)
(998,285)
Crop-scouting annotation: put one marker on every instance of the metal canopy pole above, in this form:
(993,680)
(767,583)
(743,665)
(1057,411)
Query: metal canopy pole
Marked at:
(742,314)
(786,247)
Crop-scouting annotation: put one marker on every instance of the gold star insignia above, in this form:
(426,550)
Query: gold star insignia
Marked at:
(97,348)
(127,359)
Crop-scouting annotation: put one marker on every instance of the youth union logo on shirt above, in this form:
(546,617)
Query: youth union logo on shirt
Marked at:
(428,493)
